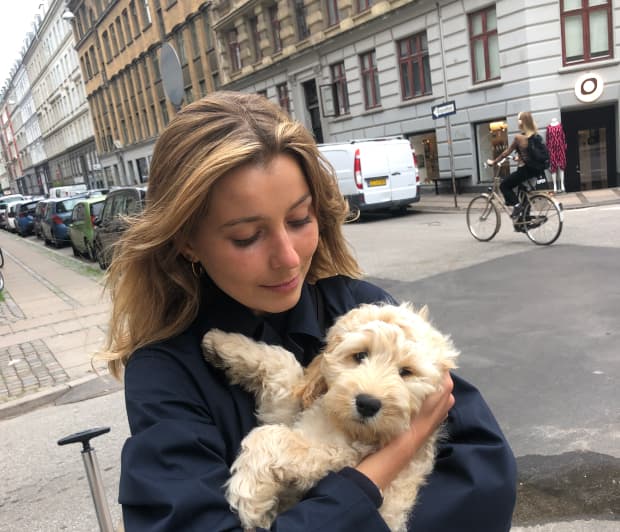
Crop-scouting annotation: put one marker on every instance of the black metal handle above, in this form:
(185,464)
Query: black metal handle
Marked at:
(84,437)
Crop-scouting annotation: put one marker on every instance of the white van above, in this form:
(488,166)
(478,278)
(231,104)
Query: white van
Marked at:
(66,191)
(375,174)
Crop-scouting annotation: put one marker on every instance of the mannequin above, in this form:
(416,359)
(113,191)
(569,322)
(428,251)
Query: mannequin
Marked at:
(556,144)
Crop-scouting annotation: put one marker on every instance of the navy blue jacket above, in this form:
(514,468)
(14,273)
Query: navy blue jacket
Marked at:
(187,423)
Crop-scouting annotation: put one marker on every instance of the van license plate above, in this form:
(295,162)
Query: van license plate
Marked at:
(377,182)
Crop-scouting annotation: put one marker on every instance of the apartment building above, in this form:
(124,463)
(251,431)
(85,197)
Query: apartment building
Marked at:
(46,126)
(353,69)
(118,43)
(450,76)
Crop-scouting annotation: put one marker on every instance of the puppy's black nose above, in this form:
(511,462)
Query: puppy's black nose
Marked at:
(367,405)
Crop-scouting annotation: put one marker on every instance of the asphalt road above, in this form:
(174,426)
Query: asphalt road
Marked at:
(537,331)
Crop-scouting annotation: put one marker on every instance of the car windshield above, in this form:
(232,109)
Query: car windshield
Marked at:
(96,208)
(66,205)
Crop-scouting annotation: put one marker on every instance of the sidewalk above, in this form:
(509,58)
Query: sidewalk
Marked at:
(52,319)
(445,200)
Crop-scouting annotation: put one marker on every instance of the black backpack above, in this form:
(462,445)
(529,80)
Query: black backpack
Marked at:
(537,153)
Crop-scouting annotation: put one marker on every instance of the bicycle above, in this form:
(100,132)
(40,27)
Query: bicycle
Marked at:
(541,217)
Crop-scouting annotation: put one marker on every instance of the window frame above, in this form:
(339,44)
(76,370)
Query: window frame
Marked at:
(414,61)
(284,99)
(340,88)
(585,10)
(234,50)
(373,100)
(484,37)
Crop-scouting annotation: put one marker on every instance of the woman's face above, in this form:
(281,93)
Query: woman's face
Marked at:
(257,240)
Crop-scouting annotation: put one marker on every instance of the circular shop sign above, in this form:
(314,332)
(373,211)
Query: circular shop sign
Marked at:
(589,87)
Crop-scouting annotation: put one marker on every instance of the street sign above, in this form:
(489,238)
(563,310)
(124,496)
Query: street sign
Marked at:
(443,109)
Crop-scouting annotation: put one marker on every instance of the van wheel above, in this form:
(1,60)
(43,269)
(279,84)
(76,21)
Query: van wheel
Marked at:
(354,215)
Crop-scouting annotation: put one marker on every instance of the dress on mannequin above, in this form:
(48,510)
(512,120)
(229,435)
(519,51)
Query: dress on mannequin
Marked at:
(556,144)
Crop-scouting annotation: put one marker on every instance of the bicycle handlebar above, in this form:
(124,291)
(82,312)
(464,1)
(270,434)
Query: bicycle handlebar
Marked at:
(501,161)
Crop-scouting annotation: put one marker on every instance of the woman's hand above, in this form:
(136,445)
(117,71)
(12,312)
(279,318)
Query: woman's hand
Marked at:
(384,466)
(490,162)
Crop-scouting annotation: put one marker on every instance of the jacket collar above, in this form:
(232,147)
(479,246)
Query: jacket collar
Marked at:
(297,329)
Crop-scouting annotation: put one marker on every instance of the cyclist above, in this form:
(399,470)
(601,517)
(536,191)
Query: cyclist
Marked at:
(523,172)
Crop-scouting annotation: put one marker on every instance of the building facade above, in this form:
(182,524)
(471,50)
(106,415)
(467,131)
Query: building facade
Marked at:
(358,69)
(47,129)
(119,43)
(450,76)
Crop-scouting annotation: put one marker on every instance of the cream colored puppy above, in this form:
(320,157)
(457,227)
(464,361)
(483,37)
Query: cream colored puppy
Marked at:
(379,364)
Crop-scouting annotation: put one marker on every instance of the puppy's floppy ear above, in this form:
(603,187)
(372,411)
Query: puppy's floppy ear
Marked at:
(314,384)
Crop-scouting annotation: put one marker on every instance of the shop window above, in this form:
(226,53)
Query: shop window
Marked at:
(491,140)
(424,146)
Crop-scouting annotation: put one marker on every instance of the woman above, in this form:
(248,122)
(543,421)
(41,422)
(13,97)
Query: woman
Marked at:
(523,172)
(242,231)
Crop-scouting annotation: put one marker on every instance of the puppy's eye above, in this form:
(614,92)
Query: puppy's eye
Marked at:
(405,372)
(358,357)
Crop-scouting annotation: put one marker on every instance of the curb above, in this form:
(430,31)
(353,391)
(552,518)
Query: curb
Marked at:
(32,401)
(463,208)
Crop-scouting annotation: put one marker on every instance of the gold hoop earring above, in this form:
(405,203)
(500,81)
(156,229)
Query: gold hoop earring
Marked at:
(197,269)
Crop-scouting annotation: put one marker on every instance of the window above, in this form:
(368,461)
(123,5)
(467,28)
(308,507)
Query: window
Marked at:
(119,33)
(300,18)
(134,18)
(333,15)
(586,30)
(339,89)
(106,46)
(370,79)
(146,13)
(254,34)
(274,22)
(181,47)
(113,39)
(484,45)
(415,72)
(363,5)
(127,26)
(283,98)
(234,50)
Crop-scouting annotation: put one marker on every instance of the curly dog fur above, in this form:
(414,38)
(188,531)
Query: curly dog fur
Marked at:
(379,364)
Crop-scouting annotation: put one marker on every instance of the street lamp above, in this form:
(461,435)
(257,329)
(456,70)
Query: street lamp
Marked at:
(67,15)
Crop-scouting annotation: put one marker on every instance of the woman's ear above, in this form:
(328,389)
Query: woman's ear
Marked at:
(314,384)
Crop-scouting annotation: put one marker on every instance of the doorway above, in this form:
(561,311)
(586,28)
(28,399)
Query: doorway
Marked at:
(312,105)
(591,148)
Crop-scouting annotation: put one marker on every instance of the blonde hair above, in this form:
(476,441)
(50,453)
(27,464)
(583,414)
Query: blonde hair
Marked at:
(154,293)
(528,126)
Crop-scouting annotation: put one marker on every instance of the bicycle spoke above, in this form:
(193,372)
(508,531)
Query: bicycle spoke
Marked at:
(543,220)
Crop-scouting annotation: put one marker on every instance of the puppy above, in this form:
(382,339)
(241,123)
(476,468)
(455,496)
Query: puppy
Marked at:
(379,364)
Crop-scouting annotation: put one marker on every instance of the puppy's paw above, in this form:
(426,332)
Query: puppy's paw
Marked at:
(212,343)
(254,507)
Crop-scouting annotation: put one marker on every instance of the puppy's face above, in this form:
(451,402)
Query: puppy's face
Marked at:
(379,365)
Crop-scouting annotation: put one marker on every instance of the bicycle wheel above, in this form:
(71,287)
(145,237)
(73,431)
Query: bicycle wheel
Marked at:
(483,219)
(543,220)
(1,258)
(1,282)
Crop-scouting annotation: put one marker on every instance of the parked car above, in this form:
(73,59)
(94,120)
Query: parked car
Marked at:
(39,214)
(119,203)
(375,174)
(25,217)
(82,226)
(11,215)
(66,191)
(4,201)
(53,224)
